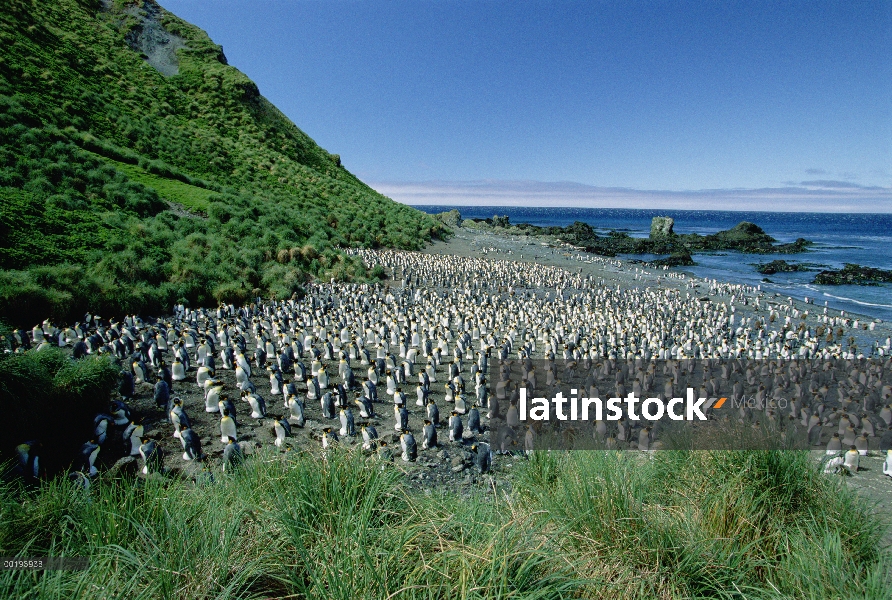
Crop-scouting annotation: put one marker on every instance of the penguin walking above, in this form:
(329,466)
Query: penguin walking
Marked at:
(152,456)
(429,432)
(410,449)
(227,427)
(191,443)
(282,430)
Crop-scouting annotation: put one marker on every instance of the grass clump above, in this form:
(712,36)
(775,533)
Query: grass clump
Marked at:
(580,525)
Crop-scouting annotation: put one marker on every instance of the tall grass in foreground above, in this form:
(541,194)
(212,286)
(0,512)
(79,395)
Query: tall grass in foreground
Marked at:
(587,525)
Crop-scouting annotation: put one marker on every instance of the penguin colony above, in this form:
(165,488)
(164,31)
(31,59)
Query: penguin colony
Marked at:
(324,367)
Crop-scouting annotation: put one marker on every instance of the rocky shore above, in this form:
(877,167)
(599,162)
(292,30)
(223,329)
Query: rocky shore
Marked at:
(744,237)
(852,274)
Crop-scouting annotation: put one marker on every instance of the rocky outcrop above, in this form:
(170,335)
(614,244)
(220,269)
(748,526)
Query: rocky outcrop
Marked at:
(661,227)
(682,258)
(779,266)
(852,274)
(451,218)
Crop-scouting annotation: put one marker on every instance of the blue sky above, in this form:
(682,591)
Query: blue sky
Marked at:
(501,98)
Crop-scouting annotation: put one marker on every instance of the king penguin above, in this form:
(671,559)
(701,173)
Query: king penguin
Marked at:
(282,430)
(347,424)
(433,413)
(410,449)
(456,429)
(474,420)
(483,459)
(369,434)
(152,456)
(227,427)
(296,409)
(133,436)
(887,464)
(191,443)
(430,435)
(232,454)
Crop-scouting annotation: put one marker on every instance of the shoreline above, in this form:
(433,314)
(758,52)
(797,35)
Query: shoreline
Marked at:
(469,242)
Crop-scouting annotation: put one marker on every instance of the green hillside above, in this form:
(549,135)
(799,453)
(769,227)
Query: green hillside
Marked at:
(138,169)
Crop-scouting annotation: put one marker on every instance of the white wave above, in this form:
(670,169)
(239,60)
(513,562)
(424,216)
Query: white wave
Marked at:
(857,301)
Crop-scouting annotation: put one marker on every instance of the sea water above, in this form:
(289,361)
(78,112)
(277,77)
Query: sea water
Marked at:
(864,239)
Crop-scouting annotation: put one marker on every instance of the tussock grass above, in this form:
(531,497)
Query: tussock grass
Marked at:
(577,525)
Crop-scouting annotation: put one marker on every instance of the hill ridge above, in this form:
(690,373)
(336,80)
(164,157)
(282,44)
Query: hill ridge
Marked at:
(96,141)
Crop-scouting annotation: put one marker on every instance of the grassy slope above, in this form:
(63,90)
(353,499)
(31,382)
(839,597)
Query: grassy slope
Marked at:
(93,140)
(584,525)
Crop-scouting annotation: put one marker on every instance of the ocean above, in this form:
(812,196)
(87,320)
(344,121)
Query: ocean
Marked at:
(864,239)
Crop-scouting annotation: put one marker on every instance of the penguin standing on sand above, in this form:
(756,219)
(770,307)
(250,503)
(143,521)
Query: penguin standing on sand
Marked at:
(162,393)
(430,435)
(191,443)
(227,427)
(282,430)
(152,456)
(232,454)
(133,436)
(410,449)
(88,454)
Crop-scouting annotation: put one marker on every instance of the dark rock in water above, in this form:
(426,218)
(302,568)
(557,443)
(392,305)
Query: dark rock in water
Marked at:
(681,258)
(778,266)
(661,227)
(852,274)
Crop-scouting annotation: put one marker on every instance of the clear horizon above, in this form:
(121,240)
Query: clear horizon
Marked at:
(655,104)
